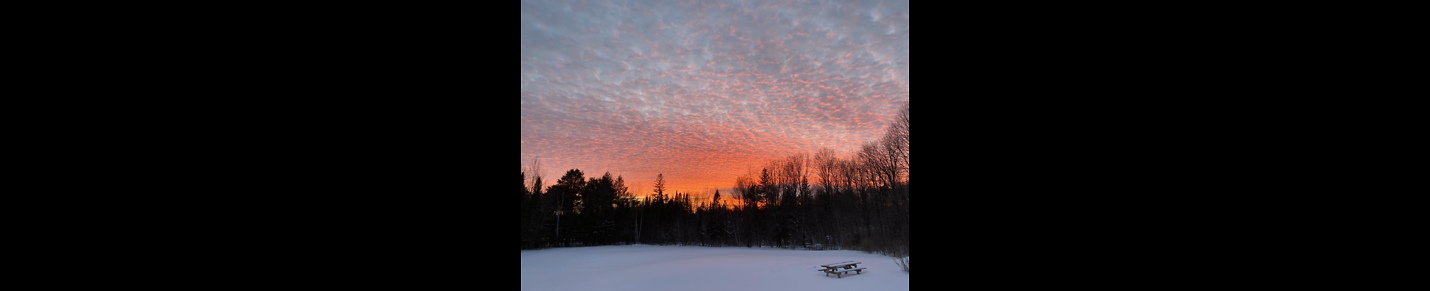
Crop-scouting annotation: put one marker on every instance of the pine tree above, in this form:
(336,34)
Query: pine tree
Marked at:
(659,186)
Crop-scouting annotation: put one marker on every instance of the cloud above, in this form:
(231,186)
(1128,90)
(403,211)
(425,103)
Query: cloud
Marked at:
(701,91)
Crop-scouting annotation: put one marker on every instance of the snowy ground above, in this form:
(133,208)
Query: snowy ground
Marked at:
(660,268)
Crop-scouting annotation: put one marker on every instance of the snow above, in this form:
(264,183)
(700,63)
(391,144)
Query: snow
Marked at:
(660,268)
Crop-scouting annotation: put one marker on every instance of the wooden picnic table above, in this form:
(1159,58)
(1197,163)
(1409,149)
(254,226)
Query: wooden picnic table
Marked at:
(841,268)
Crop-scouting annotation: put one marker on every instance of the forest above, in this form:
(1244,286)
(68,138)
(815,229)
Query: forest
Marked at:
(824,201)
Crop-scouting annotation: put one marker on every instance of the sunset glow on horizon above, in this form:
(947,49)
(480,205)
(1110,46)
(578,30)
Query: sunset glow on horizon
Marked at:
(705,91)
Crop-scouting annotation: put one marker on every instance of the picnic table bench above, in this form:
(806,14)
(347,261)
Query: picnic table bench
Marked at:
(841,268)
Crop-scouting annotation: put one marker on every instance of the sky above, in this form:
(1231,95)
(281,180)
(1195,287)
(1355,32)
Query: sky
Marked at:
(692,268)
(702,92)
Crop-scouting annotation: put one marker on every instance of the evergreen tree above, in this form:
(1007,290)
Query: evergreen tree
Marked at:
(567,191)
(659,186)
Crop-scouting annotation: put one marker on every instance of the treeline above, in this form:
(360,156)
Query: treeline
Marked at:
(860,202)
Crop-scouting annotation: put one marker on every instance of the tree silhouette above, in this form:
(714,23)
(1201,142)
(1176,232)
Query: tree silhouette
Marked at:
(567,191)
(598,201)
(856,201)
(525,214)
(659,186)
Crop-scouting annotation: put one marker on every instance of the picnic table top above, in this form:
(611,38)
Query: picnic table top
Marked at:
(840,264)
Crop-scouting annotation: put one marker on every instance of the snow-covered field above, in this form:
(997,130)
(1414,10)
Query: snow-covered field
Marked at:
(661,268)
